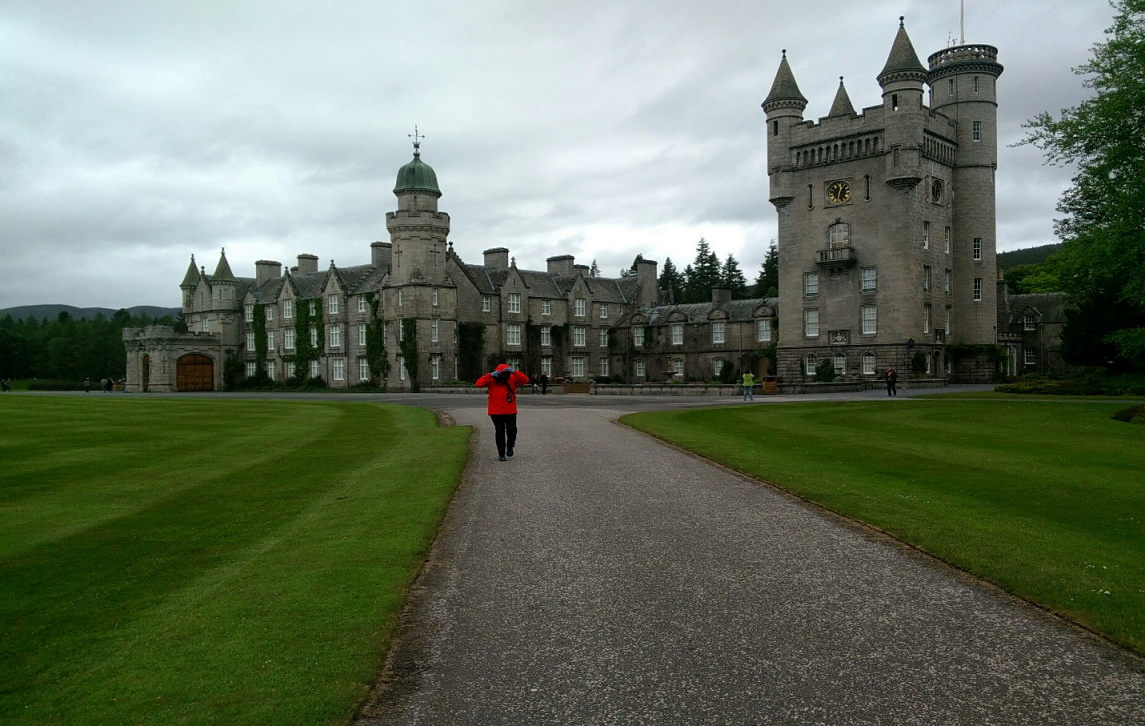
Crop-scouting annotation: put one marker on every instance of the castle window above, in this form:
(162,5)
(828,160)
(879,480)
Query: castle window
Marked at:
(249,313)
(513,334)
(578,366)
(361,335)
(269,313)
(514,302)
(339,369)
(435,297)
(718,333)
(313,337)
(894,102)
(314,369)
(602,337)
(870,279)
(951,87)
(977,248)
(641,370)
(867,178)
(578,307)
(946,240)
(809,364)
(976,84)
(435,367)
(578,337)
(363,369)
(313,307)
(270,340)
(677,333)
(810,196)
(946,324)
(485,304)
(546,307)
(869,316)
(926,318)
(638,337)
(926,278)
(287,309)
(361,304)
(288,339)
(678,367)
(946,277)
(810,284)
(333,305)
(435,330)
(840,363)
(251,369)
(1030,357)
(868,364)
(717,367)
(839,235)
(976,134)
(400,298)
(775,126)
(271,370)
(206,325)
(602,367)
(402,373)
(811,323)
(763,331)
(926,235)
(1029,321)
(250,341)
(335,336)
(547,365)
(977,289)
(546,336)
(604,311)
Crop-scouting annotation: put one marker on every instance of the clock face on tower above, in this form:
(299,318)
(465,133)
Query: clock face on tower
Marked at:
(839,192)
(936,191)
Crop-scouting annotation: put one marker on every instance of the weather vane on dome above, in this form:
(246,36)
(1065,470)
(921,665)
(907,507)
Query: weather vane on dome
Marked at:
(416,140)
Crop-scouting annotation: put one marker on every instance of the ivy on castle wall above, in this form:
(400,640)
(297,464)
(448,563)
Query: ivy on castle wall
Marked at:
(304,352)
(408,347)
(259,327)
(531,360)
(376,356)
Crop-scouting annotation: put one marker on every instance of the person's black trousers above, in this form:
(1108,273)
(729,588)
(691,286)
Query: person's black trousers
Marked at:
(505,425)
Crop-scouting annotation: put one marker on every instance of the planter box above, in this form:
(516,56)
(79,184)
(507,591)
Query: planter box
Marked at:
(577,387)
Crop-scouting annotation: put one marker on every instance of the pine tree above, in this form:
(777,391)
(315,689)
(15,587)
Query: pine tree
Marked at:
(671,281)
(767,284)
(594,271)
(703,274)
(732,278)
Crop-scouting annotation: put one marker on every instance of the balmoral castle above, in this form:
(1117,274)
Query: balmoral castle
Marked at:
(886,257)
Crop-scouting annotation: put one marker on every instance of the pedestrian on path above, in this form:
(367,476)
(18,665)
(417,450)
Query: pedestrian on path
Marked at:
(544,383)
(502,384)
(87,385)
(892,382)
(748,382)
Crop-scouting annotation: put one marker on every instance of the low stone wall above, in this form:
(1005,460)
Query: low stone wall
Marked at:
(669,389)
(523,390)
(864,385)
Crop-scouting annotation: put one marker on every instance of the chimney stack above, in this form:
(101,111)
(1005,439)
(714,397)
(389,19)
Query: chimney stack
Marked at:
(265,270)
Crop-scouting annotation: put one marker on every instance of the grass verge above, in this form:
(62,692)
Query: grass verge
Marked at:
(1044,498)
(198,561)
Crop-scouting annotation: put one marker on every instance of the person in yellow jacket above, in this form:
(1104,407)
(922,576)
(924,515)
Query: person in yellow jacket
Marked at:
(748,382)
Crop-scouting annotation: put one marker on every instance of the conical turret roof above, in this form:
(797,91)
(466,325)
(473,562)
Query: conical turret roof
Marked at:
(903,62)
(191,279)
(784,88)
(223,270)
(842,105)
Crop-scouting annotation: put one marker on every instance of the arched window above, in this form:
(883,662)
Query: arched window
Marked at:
(839,235)
(809,364)
(840,364)
(868,364)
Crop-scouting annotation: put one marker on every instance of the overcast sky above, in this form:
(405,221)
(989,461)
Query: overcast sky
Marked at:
(135,134)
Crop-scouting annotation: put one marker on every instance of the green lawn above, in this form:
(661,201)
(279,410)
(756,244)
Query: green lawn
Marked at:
(206,561)
(1045,498)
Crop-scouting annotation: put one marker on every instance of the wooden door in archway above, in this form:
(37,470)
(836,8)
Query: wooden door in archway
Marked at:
(194,372)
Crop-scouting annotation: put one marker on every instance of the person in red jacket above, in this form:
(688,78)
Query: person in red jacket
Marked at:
(502,384)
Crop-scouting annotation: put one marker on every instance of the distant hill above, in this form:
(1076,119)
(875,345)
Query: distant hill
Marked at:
(1028,256)
(51,312)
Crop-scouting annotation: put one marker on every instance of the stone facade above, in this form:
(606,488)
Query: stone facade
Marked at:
(886,217)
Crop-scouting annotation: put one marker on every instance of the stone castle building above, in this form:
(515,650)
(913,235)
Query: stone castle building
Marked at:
(886,217)
(886,257)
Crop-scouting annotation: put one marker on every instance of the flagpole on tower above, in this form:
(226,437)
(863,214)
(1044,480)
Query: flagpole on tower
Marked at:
(962,21)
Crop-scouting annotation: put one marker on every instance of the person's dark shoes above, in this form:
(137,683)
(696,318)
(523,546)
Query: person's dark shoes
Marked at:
(500,458)
(508,452)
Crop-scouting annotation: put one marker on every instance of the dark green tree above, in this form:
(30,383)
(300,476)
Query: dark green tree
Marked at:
(672,281)
(731,277)
(702,275)
(594,271)
(767,283)
(1103,230)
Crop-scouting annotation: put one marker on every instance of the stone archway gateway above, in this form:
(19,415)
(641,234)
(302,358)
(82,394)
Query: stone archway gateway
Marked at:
(194,372)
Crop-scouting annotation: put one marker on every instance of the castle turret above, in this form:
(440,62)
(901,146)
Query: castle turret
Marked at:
(784,108)
(902,80)
(417,230)
(963,83)
(188,285)
(842,105)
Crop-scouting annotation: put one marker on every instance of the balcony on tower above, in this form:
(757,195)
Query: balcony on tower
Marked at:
(835,258)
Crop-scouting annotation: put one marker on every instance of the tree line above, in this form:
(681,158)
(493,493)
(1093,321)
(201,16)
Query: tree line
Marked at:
(695,282)
(68,349)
